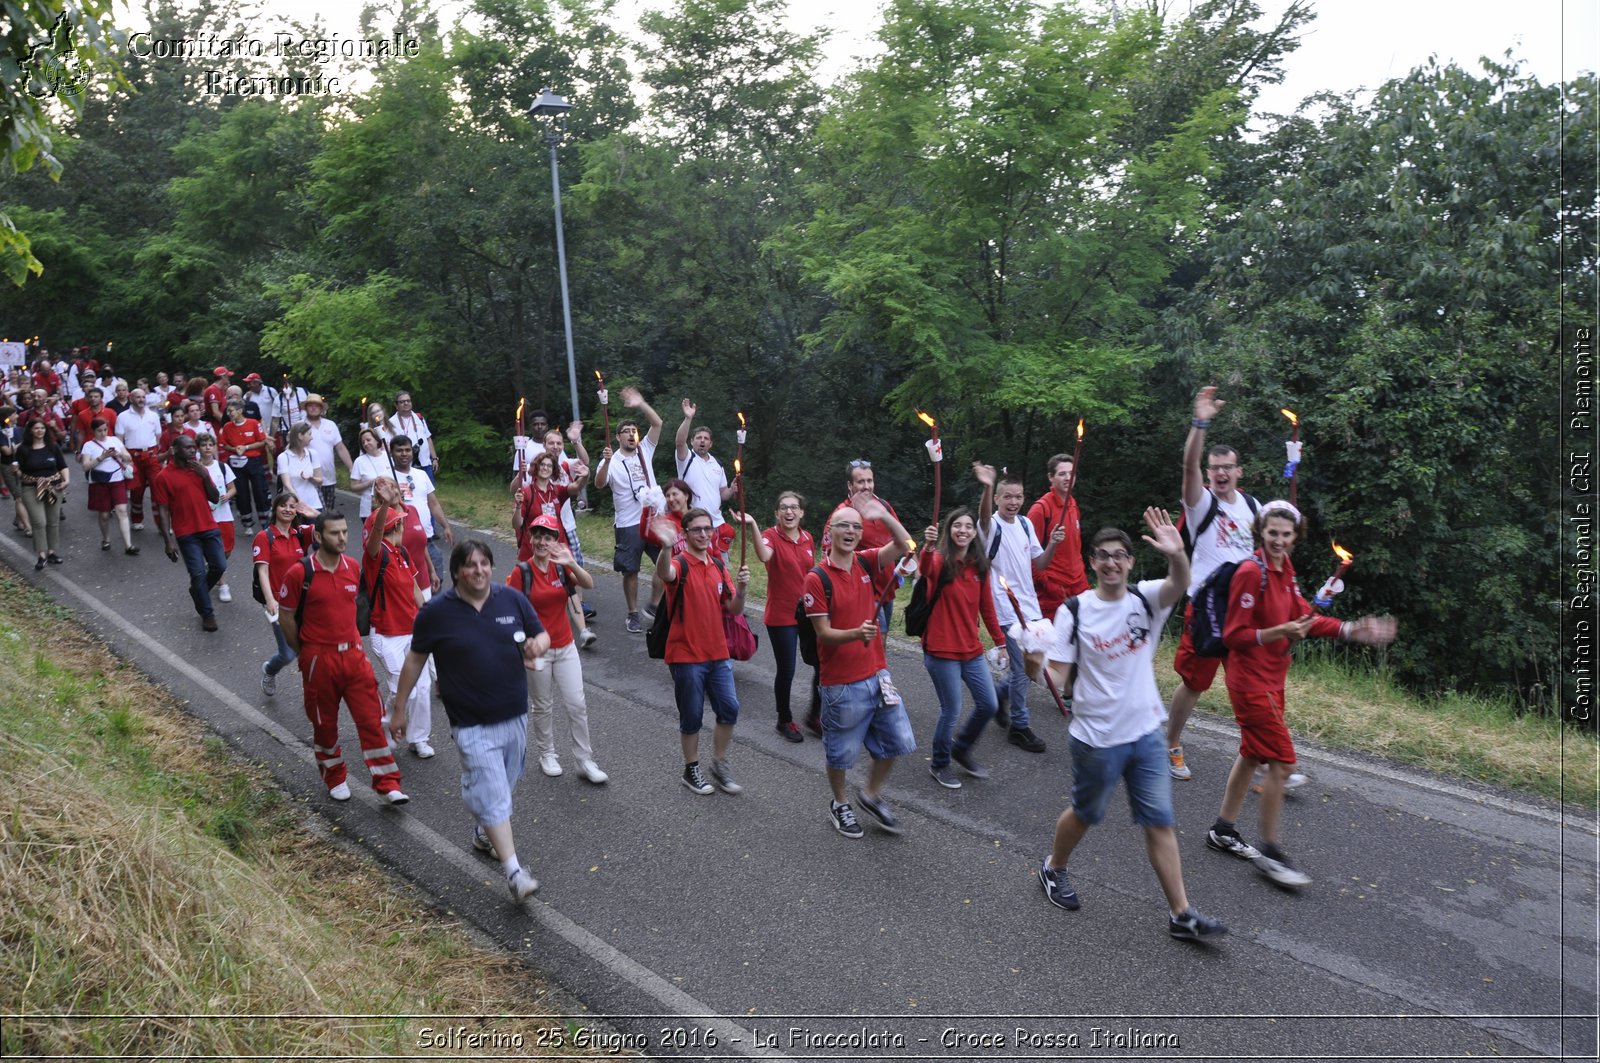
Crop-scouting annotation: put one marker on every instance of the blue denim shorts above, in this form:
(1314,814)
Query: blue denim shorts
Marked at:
(1142,763)
(492,756)
(853,715)
(693,684)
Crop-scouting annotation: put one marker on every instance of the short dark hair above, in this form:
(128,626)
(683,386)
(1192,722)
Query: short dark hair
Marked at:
(324,517)
(1055,459)
(463,553)
(695,513)
(1009,479)
(1220,450)
(538,415)
(398,440)
(1109,535)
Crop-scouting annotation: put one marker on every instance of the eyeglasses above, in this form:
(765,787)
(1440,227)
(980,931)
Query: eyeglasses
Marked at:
(861,463)
(845,525)
(1221,468)
(698,529)
(1112,555)
(788,507)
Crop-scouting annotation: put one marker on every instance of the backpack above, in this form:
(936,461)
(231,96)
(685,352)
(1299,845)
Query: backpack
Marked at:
(1210,602)
(305,591)
(364,599)
(1072,607)
(1207,520)
(920,608)
(805,631)
(526,571)
(255,582)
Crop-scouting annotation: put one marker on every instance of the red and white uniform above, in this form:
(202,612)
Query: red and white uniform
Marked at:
(334,668)
(394,611)
(563,671)
(243,433)
(279,552)
(547,592)
(1064,577)
(855,601)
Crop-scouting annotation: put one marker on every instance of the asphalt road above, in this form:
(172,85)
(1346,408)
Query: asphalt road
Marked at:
(1446,920)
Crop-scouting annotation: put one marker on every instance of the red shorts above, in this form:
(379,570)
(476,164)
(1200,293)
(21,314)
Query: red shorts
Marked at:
(226,528)
(103,498)
(1197,673)
(1262,733)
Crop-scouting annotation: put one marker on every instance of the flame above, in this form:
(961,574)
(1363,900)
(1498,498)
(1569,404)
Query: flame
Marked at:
(520,404)
(598,379)
(363,402)
(1290,414)
(1343,554)
(911,544)
(927,420)
(1080,428)
(1003,584)
(741,418)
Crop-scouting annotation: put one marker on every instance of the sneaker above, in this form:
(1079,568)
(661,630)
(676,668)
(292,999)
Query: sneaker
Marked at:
(878,809)
(844,820)
(945,776)
(550,764)
(724,778)
(340,792)
(223,593)
(395,797)
(1024,738)
(1193,925)
(814,723)
(422,750)
(522,885)
(635,624)
(208,623)
(591,772)
(695,780)
(586,638)
(481,842)
(1295,780)
(791,732)
(1002,718)
(1280,869)
(1228,841)
(138,525)
(1057,887)
(269,682)
(1175,762)
(964,761)
(589,611)
(649,613)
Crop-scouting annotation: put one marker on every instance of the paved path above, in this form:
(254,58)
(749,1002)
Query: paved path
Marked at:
(1446,920)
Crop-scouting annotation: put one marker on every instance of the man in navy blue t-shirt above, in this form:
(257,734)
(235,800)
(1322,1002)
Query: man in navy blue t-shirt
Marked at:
(482,636)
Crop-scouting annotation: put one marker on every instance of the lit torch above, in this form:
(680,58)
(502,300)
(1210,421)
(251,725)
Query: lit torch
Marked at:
(1072,477)
(936,453)
(1335,582)
(605,404)
(1292,445)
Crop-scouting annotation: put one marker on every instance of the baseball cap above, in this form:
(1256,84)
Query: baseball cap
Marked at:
(252,378)
(547,522)
(397,517)
(222,370)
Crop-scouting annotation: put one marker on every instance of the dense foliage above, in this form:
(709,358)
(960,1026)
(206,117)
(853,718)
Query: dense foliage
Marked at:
(1016,215)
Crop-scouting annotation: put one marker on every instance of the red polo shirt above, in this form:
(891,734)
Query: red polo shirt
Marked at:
(697,634)
(184,496)
(329,617)
(548,593)
(855,601)
(278,551)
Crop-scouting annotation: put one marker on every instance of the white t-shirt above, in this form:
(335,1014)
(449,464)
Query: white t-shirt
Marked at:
(708,478)
(368,467)
(1115,699)
(1227,539)
(324,437)
(415,427)
(1019,545)
(105,457)
(266,401)
(626,478)
(139,431)
(295,468)
(417,485)
(222,476)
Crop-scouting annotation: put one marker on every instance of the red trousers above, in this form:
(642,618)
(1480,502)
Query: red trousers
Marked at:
(329,675)
(145,468)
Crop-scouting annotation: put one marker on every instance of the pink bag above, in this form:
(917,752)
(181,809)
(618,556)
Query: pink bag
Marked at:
(742,642)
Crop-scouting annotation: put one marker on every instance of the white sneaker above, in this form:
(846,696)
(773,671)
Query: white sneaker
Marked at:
(223,593)
(522,885)
(395,797)
(550,764)
(340,792)
(1295,781)
(422,749)
(586,638)
(591,771)
(138,527)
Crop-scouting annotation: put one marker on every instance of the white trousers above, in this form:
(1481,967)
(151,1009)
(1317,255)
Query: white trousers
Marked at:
(564,672)
(391,652)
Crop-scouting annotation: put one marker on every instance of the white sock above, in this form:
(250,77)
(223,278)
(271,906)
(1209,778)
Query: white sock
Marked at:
(511,866)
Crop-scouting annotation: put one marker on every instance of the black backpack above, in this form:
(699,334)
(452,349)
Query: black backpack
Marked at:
(805,631)
(1210,613)
(255,583)
(920,608)
(365,600)
(1072,607)
(1210,518)
(525,569)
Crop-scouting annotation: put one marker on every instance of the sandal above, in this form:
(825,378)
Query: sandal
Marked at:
(132,551)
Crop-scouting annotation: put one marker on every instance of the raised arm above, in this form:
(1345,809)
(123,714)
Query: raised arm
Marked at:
(680,441)
(985,476)
(1164,537)
(1206,408)
(634,400)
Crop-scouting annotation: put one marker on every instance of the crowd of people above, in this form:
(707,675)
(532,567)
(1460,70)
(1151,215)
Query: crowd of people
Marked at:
(215,455)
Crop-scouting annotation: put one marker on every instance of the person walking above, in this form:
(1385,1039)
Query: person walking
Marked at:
(108,465)
(41,467)
(388,572)
(789,552)
(184,495)
(227,485)
(278,546)
(627,472)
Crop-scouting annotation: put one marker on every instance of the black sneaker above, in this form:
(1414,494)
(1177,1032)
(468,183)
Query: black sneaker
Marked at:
(589,611)
(878,809)
(724,778)
(945,776)
(1193,925)
(1057,887)
(635,624)
(1276,865)
(844,820)
(1228,841)
(790,732)
(694,780)
(964,761)
(1024,738)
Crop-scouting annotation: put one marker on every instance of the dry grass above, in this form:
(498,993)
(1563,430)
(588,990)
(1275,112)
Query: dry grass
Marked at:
(144,873)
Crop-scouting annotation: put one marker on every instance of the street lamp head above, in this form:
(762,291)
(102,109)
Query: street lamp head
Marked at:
(548,105)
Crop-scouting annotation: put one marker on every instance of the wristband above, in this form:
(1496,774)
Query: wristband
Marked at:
(1198,423)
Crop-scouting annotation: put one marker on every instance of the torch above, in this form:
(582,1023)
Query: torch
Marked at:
(936,453)
(605,405)
(738,478)
(377,428)
(1072,477)
(517,441)
(1293,447)
(1335,582)
(1016,608)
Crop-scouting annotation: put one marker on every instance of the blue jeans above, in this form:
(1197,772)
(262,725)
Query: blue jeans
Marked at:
(1017,684)
(1141,763)
(284,657)
(947,676)
(854,715)
(692,683)
(203,557)
(786,651)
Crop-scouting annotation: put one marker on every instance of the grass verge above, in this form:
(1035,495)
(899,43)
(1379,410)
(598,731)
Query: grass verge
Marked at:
(144,872)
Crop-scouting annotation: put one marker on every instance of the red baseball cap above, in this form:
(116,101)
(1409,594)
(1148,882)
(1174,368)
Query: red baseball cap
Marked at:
(397,516)
(251,377)
(547,522)
(222,370)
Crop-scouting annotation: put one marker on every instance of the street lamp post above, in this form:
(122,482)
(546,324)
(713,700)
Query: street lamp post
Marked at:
(554,110)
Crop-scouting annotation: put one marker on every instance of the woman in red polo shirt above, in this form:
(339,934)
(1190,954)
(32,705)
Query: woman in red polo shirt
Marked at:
(789,553)
(958,573)
(278,546)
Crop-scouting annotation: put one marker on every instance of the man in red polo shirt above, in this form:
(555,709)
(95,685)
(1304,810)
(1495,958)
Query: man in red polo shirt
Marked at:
(94,406)
(319,622)
(1064,576)
(698,596)
(216,395)
(875,533)
(184,494)
(860,705)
